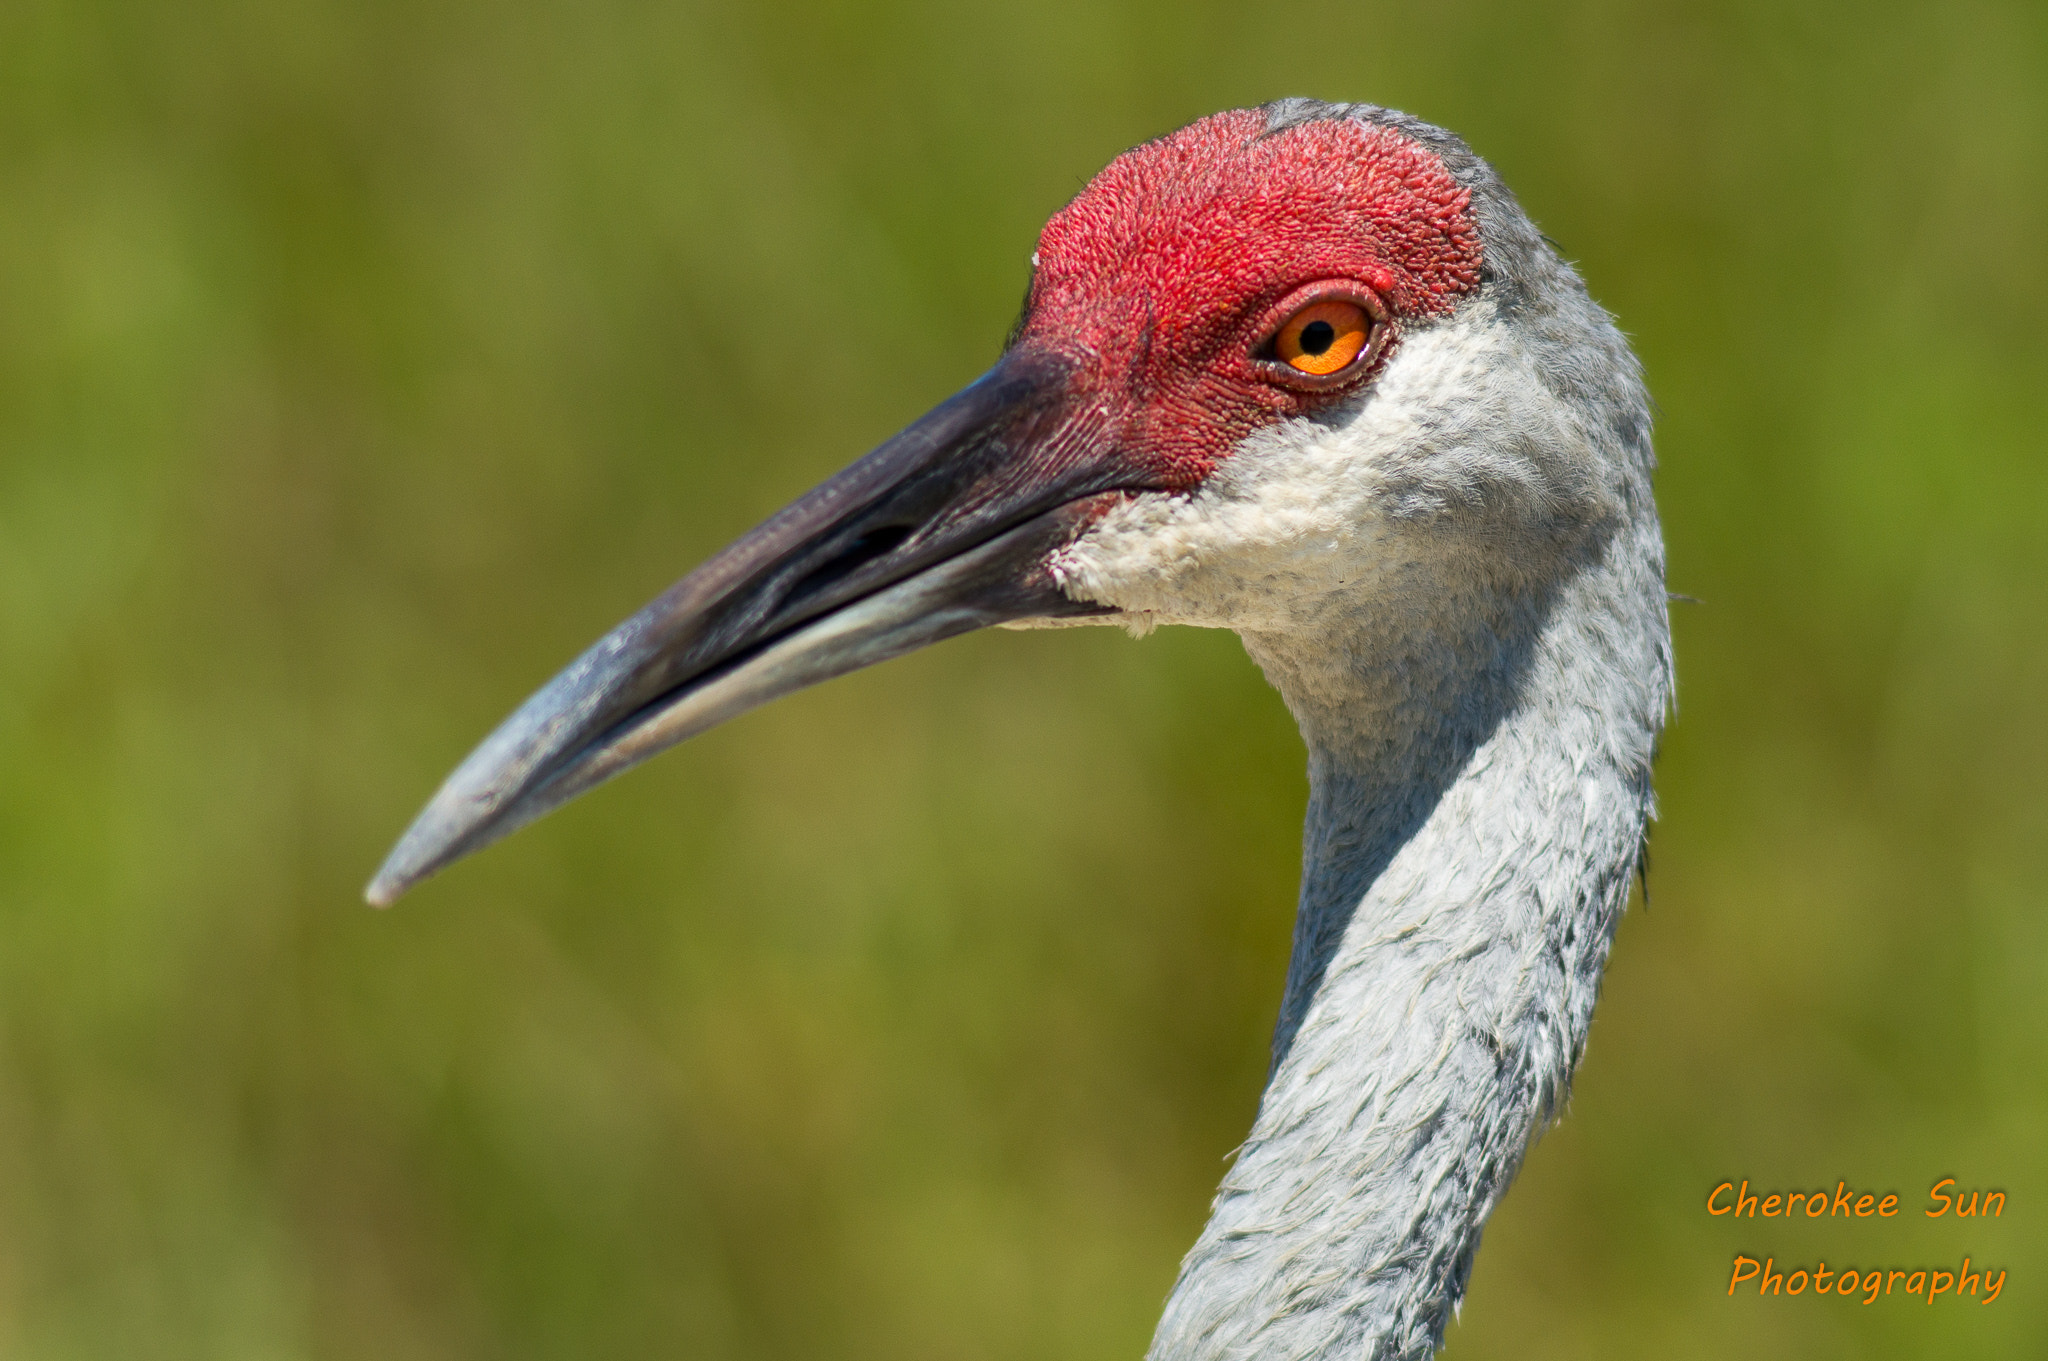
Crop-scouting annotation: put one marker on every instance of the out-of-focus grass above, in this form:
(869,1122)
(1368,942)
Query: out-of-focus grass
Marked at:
(359,363)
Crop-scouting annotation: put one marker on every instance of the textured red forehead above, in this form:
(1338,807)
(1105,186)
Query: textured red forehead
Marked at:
(1222,216)
(1162,278)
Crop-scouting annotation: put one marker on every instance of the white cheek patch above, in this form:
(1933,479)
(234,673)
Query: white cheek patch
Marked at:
(1301,509)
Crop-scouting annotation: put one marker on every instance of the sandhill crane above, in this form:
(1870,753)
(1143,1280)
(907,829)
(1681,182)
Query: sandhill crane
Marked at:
(1309,373)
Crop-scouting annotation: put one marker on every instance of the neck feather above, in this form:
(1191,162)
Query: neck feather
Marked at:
(1479,792)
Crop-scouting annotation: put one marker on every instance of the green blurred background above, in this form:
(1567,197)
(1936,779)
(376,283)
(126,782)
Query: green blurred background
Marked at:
(359,363)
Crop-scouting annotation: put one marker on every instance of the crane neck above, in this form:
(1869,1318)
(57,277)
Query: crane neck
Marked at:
(1479,788)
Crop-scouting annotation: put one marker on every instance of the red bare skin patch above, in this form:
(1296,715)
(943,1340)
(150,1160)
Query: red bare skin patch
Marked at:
(1160,279)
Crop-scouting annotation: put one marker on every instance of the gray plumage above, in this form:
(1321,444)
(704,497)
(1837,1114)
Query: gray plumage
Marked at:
(1481,719)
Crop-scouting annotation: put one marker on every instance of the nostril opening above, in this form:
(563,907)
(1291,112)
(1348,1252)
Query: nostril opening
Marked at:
(876,543)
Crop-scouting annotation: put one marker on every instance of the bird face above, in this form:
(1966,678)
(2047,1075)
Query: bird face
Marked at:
(1231,299)
(1235,339)
(1224,278)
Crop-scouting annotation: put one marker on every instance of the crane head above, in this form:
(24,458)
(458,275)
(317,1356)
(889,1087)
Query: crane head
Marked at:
(1263,361)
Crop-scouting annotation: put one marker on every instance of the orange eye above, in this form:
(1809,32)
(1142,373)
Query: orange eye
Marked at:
(1323,337)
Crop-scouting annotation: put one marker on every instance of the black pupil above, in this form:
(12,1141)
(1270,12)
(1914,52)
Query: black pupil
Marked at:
(1317,336)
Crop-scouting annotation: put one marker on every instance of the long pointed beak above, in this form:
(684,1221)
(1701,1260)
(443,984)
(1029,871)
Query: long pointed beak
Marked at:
(945,528)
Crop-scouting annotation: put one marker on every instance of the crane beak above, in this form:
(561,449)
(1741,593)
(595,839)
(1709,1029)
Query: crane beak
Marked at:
(945,528)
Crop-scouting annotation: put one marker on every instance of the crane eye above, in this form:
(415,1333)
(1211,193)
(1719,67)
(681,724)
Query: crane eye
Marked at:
(1324,337)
